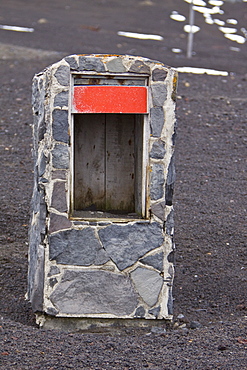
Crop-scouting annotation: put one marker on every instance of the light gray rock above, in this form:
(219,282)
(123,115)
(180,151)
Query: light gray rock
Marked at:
(148,284)
(76,247)
(159,94)
(95,292)
(126,244)
(116,65)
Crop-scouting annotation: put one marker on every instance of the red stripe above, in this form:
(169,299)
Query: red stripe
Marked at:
(110,99)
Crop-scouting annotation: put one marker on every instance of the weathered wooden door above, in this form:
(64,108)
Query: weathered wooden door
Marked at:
(107,162)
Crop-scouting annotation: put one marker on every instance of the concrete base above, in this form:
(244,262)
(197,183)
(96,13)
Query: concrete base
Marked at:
(90,325)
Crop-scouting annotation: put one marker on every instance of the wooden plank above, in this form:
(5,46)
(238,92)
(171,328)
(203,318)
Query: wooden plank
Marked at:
(89,161)
(120,167)
(110,99)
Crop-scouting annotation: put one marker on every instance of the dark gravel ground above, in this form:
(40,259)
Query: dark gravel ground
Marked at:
(210,203)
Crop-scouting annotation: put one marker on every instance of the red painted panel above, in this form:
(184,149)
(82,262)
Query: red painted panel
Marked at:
(110,99)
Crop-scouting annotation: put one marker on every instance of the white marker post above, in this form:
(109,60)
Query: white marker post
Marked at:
(190,35)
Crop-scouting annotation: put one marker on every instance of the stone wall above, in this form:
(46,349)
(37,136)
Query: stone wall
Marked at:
(100,268)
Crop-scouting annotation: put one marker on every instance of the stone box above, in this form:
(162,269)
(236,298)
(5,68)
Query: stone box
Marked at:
(101,232)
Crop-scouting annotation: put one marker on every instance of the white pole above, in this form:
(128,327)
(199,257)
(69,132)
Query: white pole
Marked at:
(190,35)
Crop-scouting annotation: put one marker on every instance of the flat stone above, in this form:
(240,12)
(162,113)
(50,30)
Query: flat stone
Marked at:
(54,270)
(60,156)
(60,125)
(148,283)
(91,64)
(37,283)
(159,94)
(158,150)
(59,201)
(59,174)
(155,311)
(58,222)
(155,261)
(52,282)
(140,312)
(77,247)
(159,74)
(62,75)
(158,209)
(116,65)
(94,292)
(72,62)
(171,176)
(62,99)
(126,244)
(42,165)
(157,118)
(139,67)
(157,181)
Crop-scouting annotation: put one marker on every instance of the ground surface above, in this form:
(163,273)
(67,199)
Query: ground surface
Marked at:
(210,196)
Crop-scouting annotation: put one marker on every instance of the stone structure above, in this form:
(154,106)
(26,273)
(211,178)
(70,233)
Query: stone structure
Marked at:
(98,263)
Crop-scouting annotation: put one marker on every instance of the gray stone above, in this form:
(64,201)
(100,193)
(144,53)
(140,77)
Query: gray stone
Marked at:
(62,99)
(158,150)
(156,120)
(158,330)
(159,94)
(155,311)
(126,244)
(170,223)
(91,64)
(42,165)
(148,284)
(59,174)
(60,125)
(77,247)
(139,67)
(159,74)
(54,270)
(62,75)
(59,201)
(157,181)
(58,222)
(51,311)
(158,209)
(155,261)
(171,257)
(37,285)
(170,182)
(52,282)
(94,292)
(72,62)
(195,325)
(116,65)
(60,156)
(170,302)
(140,312)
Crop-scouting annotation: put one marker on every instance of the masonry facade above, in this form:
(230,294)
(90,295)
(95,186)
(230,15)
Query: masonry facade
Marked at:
(101,231)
